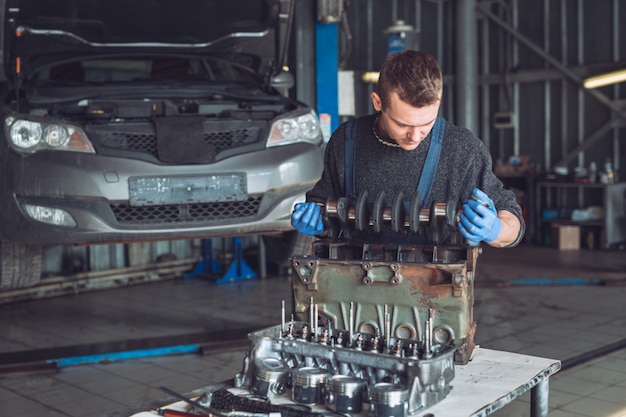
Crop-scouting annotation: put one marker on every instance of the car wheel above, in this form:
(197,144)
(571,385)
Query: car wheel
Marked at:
(280,248)
(21,264)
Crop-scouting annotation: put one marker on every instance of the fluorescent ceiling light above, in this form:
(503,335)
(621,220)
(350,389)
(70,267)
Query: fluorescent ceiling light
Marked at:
(370,77)
(605,79)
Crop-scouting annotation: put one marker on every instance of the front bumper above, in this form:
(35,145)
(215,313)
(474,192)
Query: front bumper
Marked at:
(94,190)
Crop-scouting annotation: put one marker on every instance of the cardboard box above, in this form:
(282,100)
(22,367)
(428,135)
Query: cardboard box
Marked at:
(565,237)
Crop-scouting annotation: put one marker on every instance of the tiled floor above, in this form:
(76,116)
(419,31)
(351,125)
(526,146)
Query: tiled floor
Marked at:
(530,300)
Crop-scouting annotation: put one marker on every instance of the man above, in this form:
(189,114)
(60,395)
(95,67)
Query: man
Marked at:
(392,153)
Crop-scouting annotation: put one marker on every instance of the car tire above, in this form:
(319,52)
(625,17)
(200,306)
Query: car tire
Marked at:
(21,265)
(281,248)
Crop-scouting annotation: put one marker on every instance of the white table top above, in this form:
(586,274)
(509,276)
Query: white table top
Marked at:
(491,380)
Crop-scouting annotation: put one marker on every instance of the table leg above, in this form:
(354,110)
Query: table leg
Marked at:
(539,396)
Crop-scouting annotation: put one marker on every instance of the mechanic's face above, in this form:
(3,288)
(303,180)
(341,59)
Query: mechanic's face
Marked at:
(405,124)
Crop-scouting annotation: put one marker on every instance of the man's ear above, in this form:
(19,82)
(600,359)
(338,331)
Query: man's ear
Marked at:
(376,101)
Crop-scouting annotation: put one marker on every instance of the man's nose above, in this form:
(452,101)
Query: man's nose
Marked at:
(415,133)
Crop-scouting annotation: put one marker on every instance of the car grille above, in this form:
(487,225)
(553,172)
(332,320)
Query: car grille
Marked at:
(186,213)
(136,137)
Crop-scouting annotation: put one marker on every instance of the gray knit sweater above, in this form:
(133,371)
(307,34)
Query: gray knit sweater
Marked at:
(464,164)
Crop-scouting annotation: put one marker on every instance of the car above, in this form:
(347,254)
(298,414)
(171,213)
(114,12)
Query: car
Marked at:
(128,121)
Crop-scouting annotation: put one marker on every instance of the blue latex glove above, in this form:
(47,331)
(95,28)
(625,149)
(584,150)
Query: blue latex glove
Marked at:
(307,219)
(479,220)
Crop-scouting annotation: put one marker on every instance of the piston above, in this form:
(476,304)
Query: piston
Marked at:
(389,400)
(308,385)
(270,377)
(345,394)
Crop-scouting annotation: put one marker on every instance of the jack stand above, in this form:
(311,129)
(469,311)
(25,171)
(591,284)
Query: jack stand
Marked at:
(239,269)
(207,266)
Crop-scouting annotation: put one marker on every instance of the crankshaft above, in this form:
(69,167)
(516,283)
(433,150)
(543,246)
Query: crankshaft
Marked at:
(346,215)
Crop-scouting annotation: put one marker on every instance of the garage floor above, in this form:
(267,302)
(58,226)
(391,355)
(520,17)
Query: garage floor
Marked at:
(531,300)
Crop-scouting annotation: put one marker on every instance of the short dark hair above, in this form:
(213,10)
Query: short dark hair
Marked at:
(414,75)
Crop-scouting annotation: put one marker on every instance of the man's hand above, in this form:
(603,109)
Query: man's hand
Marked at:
(307,219)
(479,220)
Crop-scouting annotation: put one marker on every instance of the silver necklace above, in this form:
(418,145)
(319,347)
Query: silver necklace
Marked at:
(381,140)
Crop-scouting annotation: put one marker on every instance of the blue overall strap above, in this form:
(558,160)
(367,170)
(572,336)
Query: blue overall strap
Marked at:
(432,160)
(349,146)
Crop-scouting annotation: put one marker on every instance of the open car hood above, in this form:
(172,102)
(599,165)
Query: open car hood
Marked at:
(37,33)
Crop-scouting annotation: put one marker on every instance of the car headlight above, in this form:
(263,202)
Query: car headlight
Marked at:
(30,135)
(303,128)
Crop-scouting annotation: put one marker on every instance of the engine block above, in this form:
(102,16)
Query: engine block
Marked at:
(391,290)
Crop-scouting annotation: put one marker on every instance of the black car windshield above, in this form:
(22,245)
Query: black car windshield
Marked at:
(132,69)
